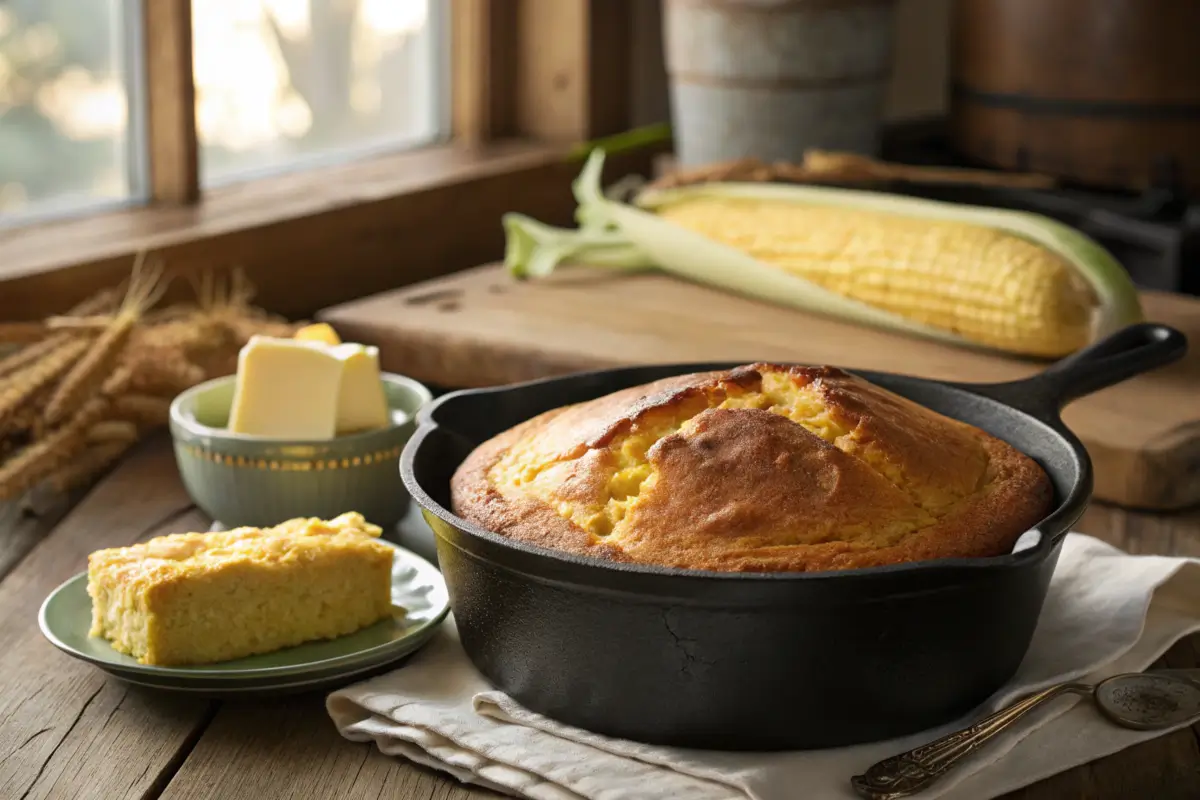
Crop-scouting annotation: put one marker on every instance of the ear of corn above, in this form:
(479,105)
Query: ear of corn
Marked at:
(973,276)
(985,284)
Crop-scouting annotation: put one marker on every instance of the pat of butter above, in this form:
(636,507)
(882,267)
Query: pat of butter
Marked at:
(286,389)
(317,332)
(362,404)
(307,389)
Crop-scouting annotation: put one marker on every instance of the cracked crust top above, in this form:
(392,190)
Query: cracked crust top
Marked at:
(762,468)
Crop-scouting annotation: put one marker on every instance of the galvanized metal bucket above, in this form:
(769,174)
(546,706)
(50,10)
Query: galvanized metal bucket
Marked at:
(771,78)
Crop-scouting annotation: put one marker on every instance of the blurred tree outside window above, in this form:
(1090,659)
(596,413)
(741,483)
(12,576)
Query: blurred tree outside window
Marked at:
(65,89)
(279,84)
(281,81)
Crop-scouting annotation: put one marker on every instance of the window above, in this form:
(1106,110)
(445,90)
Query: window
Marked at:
(283,82)
(329,148)
(68,138)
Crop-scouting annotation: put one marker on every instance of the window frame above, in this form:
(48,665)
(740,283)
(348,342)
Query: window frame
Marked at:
(530,81)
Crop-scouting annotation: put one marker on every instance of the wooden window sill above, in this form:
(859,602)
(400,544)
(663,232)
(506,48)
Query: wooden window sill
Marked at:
(311,238)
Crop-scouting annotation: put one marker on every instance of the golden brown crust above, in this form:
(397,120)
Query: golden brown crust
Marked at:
(763,468)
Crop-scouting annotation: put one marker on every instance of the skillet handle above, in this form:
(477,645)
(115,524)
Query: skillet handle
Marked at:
(1122,355)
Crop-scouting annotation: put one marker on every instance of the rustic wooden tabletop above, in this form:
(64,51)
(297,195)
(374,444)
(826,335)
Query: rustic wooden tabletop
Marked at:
(68,731)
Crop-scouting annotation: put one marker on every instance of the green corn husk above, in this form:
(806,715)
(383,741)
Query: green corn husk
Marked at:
(629,236)
(533,249)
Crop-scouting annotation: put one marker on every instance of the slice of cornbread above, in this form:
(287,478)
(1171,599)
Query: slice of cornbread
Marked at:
(198,598)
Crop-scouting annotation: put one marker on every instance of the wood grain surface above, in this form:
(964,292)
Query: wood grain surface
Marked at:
(1028,92)
(480,327)
(68,731)
(171,131)
(311,237)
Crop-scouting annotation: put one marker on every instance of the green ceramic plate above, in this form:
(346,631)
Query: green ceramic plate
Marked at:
(274,686)
(417,587)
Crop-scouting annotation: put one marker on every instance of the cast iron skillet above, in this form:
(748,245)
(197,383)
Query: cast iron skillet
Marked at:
(761,661)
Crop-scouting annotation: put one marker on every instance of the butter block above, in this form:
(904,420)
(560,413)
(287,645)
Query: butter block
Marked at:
(286,389)
(362,404)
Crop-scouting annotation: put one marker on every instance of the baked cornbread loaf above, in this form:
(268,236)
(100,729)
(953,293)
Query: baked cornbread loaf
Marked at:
(763,468)
(197,598)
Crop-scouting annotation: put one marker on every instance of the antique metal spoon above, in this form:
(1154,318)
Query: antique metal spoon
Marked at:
(1140,700)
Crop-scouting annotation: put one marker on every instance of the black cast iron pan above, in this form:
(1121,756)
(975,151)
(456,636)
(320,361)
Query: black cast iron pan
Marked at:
(761,661)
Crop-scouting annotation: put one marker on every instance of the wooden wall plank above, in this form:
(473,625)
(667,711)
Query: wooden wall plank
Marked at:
(309,239)
(573,77)
(610,67)
(484,42)
(171,102)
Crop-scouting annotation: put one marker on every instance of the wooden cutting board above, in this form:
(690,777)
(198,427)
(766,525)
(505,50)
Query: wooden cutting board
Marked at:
(479,327)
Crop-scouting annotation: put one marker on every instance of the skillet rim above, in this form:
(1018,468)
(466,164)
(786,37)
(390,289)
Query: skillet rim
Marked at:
(1051,529)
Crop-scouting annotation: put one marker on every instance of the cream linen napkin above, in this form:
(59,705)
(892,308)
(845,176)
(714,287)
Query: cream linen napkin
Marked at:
(1106,612)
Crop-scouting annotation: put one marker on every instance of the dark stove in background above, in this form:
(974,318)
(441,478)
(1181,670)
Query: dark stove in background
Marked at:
(1155,234)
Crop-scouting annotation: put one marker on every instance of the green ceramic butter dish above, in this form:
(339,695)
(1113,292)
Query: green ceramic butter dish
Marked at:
(250,480)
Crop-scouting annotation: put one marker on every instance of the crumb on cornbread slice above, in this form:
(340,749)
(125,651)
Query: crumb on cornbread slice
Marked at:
(199,598)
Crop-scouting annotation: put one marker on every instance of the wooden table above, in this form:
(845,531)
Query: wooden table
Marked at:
(68,731)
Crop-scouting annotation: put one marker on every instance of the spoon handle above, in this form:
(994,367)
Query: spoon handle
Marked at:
(908,773)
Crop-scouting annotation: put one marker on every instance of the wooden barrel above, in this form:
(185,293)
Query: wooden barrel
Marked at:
(1103,92)
(771,78)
